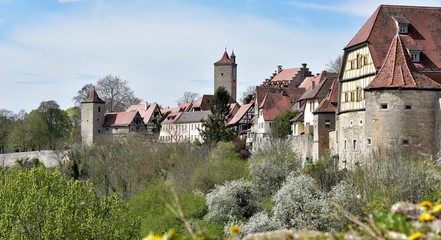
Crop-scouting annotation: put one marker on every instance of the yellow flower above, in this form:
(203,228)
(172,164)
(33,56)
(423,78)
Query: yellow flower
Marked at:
(426,217)
(437,208)
(415,236)
(152,237)
(234,229)
(426,205)
(170,234)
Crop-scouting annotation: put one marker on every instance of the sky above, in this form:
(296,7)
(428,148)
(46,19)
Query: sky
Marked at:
(49,49)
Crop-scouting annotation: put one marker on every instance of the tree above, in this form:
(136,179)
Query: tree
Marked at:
(215,128)
(41,204)
(188,97)
(247,96)
(281,126)
(83,93)
(6,123)
(29,133)
(116,93)
(74,114)
(56,120)
(334,65)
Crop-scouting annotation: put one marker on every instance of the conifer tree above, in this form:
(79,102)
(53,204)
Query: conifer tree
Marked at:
(215,128)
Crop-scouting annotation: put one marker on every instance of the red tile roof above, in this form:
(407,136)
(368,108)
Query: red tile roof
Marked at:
(93,97)
(275,103)
(322,89)
(286,74)
(225,60)
(398,71)
(299,117)
(240,113)
(307,83)
(116,119)
(171,118)
(424,33)
(325,106)
(146,114)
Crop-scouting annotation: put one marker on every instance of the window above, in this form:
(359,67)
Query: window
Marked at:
(405,141)
(345,145)
(99,131)
(327,124)
(354,144)
(366,59)
(369,141)
(346,97)
(359,60)
(222,74)
(99,109)
(97,119)
(408,107)
(403,28)
(415,56)
(384,106)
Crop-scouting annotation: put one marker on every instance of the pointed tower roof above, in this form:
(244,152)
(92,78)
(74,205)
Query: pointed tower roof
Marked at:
(93,97)
(225,60)
(398,71)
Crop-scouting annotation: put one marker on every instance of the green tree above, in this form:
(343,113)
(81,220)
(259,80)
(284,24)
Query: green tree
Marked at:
(57,122)
(281,125)
(38,203)
(74,114)
(29,133)
(6,123)
(215,128)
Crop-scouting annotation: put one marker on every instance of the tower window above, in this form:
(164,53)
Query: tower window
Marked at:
(99,109)
(354,143)
(405,142)
(369,141)
(384,106)
(408,107)
(327,123)
(97,119)
(222,74)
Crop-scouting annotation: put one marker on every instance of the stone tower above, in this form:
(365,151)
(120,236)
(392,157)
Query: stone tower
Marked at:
(93,109)
(225,74)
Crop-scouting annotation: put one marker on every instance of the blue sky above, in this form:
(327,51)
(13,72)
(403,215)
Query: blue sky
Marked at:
(49,49)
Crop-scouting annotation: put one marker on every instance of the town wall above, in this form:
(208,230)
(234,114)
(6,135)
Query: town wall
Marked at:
(323,124)
(351,139)
(48,158)
(303,145)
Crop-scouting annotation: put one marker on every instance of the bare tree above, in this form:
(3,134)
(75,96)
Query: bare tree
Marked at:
(116,93)
(188,97)
(334,65)
(83,93)
(247,95)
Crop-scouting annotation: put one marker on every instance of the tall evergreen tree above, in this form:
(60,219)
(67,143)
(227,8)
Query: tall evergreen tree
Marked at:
(215,128)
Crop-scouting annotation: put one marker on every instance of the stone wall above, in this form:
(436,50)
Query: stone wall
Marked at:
(351,138)
(323,124)
(404,120)
(48,158)
(303,144)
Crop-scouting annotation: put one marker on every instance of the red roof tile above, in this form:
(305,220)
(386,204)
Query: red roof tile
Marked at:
(276,102)
(119,119)
(93,97)
(146,114)
(322,89)
(424,31)
(286,74)
(398,71)
(240,113)
(225,60)
(325,106)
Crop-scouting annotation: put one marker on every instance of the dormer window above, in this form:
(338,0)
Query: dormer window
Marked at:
(402,24)
(415,55)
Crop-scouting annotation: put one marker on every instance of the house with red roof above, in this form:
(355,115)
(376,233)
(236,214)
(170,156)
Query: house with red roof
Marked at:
(243,119)
(389,86)
(151,116)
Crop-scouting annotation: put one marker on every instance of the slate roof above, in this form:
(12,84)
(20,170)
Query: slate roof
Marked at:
(424,33)
(398,71)
(93,97)
(146,114)
(119,119)
(240,113)
(193,117)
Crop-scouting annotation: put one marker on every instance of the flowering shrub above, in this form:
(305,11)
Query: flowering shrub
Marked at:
(233,200)
(270,167)
(299,206)
(260,222)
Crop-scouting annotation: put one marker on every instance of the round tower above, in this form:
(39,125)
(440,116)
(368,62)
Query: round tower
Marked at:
(225,74)
(93,109)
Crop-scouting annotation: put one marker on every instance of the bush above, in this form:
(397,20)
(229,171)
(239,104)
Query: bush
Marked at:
(233,200)
(38,203)
(260,222)
(326,173)
(299,206)
(269,167)
(223,165)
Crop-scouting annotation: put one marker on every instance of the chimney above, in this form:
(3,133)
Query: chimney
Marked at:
(146,105)
(304,65)
(279,68)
